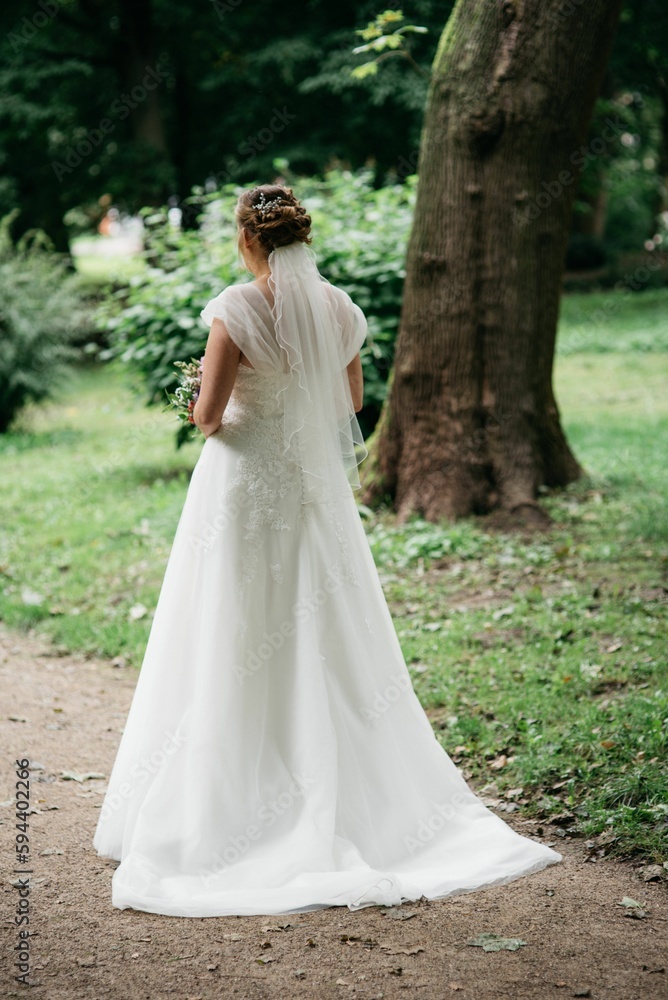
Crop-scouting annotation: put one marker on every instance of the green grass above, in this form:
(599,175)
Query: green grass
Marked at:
(101,269)
(614,321)
(540,660)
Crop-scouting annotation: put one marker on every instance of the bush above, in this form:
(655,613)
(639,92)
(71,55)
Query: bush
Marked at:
(585,252)
(41,311)
(360,236)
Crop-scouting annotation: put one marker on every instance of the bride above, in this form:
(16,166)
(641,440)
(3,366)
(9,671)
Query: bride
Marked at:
(275,757)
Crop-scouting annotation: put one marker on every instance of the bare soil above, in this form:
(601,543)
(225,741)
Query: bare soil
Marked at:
(66,713)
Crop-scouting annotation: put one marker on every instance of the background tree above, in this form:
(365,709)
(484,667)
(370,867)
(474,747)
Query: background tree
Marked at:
(471,421)
(225,69)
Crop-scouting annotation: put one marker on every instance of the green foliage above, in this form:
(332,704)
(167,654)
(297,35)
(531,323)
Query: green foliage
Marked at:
(383,37)
(418,541)
(360,236)
(41,313)
(153,321)
(238,85)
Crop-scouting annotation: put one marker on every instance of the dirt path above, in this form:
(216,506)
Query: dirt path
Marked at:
(66,714)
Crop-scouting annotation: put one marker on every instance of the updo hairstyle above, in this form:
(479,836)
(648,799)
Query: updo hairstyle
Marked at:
(273,215)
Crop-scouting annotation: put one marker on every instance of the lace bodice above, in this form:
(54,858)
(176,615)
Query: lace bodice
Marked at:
(267,488)
(254,396)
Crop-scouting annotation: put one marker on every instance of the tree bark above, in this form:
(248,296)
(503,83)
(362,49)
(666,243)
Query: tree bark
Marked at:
(471,422)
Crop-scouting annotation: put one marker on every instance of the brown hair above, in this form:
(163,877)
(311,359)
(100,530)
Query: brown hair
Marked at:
(282,222)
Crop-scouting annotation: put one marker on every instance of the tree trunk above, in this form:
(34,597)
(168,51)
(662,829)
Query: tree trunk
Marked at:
(138,59)
(471,422)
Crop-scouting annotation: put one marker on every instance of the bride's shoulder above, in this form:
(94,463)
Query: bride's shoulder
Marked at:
(337,294)
(340,298)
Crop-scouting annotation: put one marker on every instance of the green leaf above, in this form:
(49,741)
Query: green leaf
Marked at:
(493,942)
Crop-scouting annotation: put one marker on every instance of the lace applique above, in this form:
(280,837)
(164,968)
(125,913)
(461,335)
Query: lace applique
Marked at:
(348,567)
(263,475)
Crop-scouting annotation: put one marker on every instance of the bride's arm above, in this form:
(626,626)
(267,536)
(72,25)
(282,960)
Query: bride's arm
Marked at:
(356,380)
(221,361)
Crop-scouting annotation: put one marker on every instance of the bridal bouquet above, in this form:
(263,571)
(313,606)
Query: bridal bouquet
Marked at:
(185,395)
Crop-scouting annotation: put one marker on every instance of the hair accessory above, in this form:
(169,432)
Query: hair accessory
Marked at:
(264,207)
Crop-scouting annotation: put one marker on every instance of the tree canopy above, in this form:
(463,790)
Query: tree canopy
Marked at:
(143,100)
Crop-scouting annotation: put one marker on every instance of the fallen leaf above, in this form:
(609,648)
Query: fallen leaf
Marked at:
(493,942)
(652,873)
(514,793)
(31,597)
(265,961)
(401,951)
(627,901)
(396,913)
(503,612)
(73,776)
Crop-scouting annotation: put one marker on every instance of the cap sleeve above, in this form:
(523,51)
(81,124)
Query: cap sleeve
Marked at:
(353,323)
(248,327)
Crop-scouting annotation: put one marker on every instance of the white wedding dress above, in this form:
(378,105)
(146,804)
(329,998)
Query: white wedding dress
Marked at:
(275,757)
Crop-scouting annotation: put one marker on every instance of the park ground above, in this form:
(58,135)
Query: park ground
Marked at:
(540,658)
